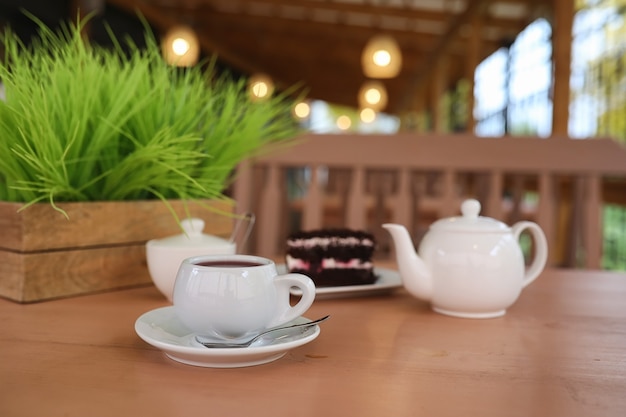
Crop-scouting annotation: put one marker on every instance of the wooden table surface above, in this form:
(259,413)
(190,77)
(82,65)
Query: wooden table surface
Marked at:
(559,351)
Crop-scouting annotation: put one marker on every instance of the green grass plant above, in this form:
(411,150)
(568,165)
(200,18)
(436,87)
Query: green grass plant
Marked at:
(82,122)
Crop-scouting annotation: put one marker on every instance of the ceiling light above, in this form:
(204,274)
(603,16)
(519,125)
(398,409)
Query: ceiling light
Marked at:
(381,57)
(260,87)
(181,47)
(344,122)
(301,110)
(367,115)
(373,95)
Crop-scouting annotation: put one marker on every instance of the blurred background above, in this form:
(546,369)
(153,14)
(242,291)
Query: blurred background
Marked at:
(489,68)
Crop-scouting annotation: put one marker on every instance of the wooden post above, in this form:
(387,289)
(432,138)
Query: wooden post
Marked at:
(357,204)
(402,199)
(449,197)
(494,203)
(312,210)
(472,61)
(268,225)
(561,56)
(546,213)
(592,233)
(437,94)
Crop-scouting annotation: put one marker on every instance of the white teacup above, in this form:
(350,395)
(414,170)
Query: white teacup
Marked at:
(232,296)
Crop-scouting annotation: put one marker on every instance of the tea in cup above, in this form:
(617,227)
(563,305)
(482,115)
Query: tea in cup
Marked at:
(233,296)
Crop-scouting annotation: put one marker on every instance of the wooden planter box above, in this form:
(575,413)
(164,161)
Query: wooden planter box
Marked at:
(101,247)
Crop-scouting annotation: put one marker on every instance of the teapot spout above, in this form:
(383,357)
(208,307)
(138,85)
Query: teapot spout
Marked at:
(415,274)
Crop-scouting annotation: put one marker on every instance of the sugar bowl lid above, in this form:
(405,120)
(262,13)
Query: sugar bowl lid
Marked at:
(192,237)
(470,221)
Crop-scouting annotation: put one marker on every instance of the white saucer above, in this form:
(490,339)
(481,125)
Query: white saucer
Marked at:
(388,280)
(162,329)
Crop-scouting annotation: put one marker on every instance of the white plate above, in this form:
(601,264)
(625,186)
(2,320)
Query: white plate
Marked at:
(388,280)
(162,329)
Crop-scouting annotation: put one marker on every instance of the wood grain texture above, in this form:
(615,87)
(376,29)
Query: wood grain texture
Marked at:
(101,247)
(558,352)
(41,227)
(28,277)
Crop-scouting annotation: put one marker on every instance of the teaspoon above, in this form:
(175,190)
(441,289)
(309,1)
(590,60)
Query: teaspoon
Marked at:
(291,330)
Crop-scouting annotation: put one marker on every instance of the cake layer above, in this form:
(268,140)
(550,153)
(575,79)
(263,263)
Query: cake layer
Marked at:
(332,257)
(327,263)
(340,277)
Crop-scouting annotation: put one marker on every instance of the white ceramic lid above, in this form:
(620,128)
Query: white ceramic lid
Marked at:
(470,221)
(192,238)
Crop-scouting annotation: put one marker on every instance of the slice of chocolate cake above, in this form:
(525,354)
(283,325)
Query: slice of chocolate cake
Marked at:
(332,257)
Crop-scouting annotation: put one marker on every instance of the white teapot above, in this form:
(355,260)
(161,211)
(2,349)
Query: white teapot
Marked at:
(469,266)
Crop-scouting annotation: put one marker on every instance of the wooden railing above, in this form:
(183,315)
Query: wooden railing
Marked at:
(362,181)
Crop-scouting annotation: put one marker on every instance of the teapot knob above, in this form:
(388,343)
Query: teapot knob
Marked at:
(193,227)
(470,208)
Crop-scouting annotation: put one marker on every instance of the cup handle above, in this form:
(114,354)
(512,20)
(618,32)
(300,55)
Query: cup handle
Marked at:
(285,312)
(541,249)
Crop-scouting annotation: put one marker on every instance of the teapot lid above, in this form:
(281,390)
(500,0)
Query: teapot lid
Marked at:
(470,221)
(193,237)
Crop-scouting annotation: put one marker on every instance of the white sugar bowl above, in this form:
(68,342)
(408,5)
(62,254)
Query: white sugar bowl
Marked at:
(164,256)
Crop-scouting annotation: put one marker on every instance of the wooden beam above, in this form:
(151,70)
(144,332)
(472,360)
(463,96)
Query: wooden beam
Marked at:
(473,8)
(561,57)
(376,12)
(164,21)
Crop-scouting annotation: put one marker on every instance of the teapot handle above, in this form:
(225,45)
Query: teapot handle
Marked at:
(541,249)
